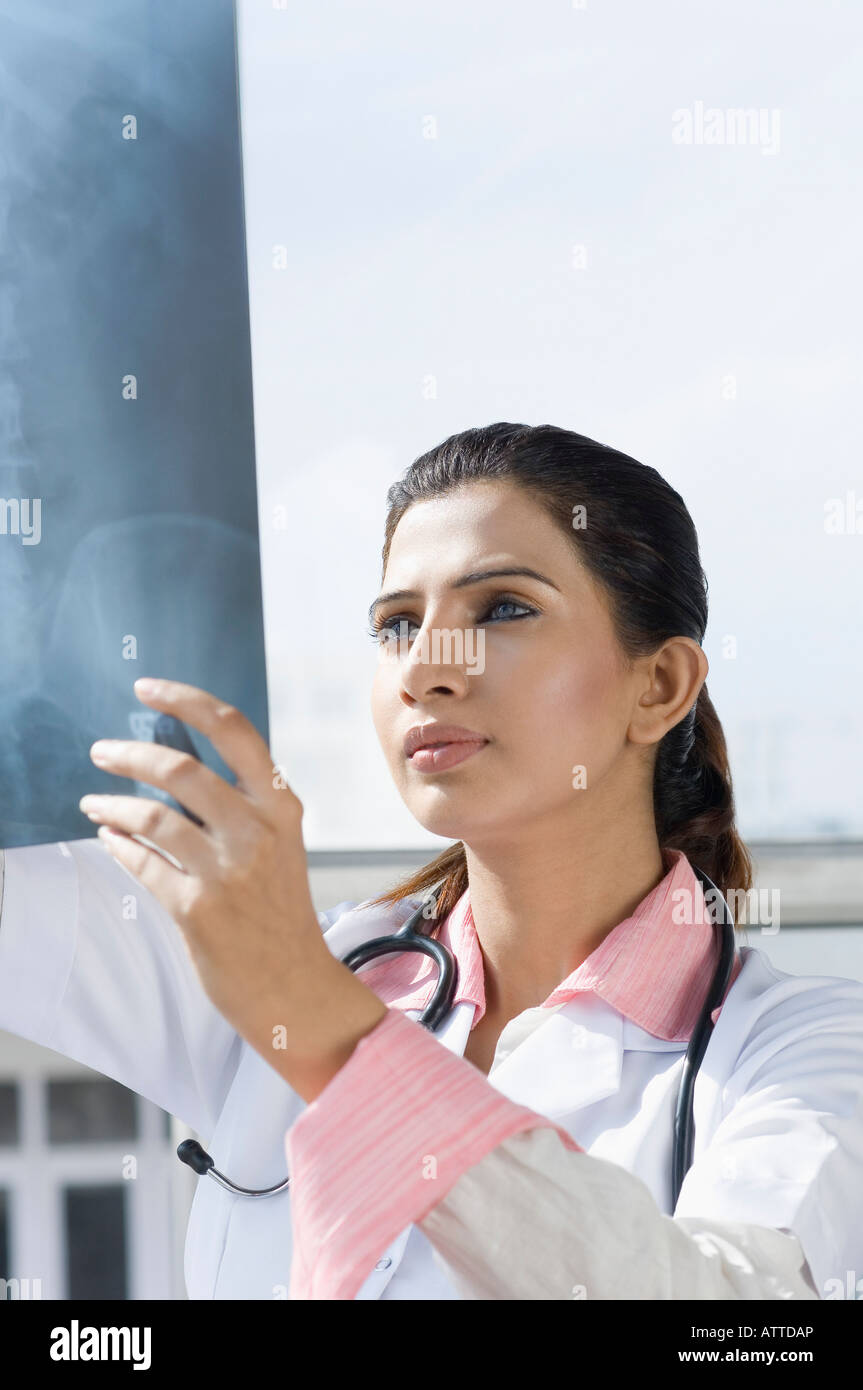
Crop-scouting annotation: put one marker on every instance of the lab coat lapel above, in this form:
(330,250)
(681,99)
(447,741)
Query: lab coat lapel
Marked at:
(361,924)
(570,1060)
(455,1029)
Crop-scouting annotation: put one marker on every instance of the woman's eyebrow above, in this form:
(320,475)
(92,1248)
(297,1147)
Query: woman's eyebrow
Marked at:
(474,577)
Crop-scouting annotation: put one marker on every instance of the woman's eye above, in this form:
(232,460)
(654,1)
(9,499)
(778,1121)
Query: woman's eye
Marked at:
(513,603)
(392,625)
(389,627)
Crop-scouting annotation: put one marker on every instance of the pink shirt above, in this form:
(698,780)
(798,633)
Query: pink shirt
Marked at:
(404,1109)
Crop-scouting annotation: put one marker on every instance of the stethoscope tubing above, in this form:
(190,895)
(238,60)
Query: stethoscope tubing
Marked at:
(408,938)
(684,1120)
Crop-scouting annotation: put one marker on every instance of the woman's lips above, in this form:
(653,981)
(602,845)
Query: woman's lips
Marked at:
(443,755)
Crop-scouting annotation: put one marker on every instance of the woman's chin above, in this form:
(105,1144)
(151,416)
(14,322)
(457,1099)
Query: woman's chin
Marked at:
(452,825)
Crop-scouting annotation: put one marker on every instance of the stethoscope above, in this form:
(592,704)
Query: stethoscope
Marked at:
(407,938)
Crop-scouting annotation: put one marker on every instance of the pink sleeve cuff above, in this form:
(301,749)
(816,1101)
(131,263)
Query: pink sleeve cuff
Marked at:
(381,1145)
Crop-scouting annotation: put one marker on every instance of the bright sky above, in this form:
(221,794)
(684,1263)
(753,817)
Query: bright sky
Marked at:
(493,197)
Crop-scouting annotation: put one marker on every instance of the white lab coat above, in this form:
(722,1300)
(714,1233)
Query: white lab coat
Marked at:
(120,994)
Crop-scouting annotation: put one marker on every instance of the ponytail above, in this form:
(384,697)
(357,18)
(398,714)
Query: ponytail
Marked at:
(693,798)
(450,865)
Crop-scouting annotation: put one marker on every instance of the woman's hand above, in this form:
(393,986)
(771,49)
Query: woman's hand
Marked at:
(240,893)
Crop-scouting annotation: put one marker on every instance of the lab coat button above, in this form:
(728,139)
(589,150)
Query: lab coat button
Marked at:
(384,1263)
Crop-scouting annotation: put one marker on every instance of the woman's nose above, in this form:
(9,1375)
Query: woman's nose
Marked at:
(438,659)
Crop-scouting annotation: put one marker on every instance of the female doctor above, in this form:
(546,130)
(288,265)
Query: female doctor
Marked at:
(522,1150)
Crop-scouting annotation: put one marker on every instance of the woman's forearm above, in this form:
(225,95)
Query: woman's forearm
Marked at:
(411,1133)
(533,1220)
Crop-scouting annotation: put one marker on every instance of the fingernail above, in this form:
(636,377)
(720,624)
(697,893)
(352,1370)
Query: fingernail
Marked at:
(145,686)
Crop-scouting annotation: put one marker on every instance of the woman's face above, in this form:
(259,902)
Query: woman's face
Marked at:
(539,673)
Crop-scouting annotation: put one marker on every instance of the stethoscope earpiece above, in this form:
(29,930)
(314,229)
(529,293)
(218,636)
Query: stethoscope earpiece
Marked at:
(191,1152)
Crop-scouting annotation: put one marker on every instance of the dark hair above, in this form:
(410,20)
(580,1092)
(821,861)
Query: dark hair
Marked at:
(640,544)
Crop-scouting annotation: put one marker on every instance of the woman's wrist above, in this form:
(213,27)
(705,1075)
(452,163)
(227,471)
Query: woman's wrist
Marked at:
(309,1030)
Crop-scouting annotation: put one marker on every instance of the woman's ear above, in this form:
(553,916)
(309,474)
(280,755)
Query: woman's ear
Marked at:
(668,686)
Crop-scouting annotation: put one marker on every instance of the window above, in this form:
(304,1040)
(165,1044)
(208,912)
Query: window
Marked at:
(506,262)
(5,1253)
(90,1111)
(94,1219)
(9,1117)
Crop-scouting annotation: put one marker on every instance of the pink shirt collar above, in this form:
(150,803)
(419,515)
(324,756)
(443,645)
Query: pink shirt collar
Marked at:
(652,967)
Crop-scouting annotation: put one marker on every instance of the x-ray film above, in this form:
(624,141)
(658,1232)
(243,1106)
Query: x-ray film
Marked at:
(128,506)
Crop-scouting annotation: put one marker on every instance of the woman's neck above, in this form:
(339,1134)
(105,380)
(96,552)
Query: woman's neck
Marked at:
(541,906)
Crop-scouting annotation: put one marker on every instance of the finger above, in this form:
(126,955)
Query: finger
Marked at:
(164,827)
(234,737)
(163,880)
(185,778)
